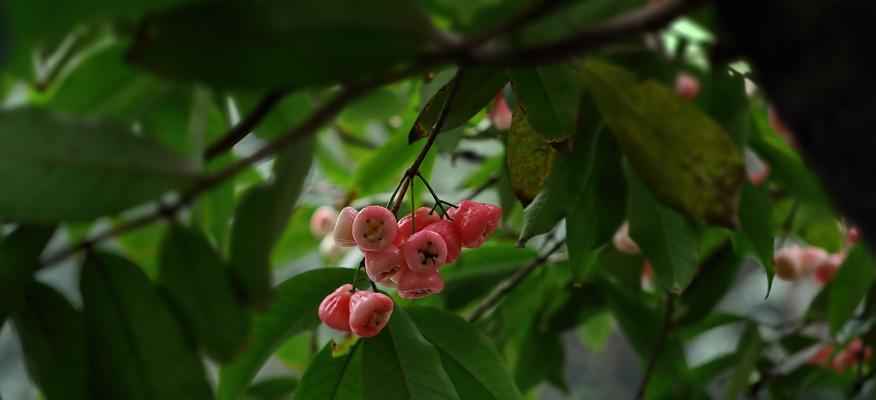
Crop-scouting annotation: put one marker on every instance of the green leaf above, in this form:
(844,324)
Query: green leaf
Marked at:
(261,218)
(667,238)
(52,334)
(528,157)
(402,356)
(683,156)
(282,44)
(748,352)
(848,288)
(293,310)
(548,96)
(755,216)
(723,97)
(280,388)
(541,356)
(138,348)
(470,359)
(57,168)
(478,271)
(19,258)
(198,282)
(479,85)
(716,277)
(297,240)
(333,378)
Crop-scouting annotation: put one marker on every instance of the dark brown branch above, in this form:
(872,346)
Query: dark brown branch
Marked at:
(658,345)
(512,282)
(246,125)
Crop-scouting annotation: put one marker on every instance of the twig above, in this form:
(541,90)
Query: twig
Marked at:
(658,345)
(246,125)
(348,138)
(512,282)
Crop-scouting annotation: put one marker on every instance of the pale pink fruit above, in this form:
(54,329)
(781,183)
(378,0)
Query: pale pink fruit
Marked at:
(412,285)
(425,252)
(687,86)
(422,217)
(780,127)
(853,235)
(850,355)
(758,170)
(369,312)
(810,257)
(382,265)
(475,222)
(451,238)
(374,228)
(623,242)
(787,263)
(334,311)
(343,234)
(826,271)
(501,114)
(323,221)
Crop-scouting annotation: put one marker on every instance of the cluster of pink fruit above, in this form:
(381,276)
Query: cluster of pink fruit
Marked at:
(794,262)
(405,253)
(846,357)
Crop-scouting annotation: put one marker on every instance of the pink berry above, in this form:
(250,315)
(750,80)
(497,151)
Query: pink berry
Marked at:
(475,222)
(758,170)
(425,252)
(334,311)
(323,221)
(623,242)
(451,238)
(810,257)
(422,217)
(382,265)
(501,114)
(687,86)
(412,285)
(374,228)
(369,312)
(822,356)
(853,235)
(826,271)
(343,234)
(787,263)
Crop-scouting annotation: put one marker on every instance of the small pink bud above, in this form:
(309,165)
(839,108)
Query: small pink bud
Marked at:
(787,263)
(853,235)
(425,252)
(384,264)
(826,271)
(422,217)
(323,221)
(451,238)
(623,242)
(369,312)
(687,86)
(810,258)
(475,222)
(334,311)
(758,170)
(412,285)
(343,234)
(501,114)
(374,228)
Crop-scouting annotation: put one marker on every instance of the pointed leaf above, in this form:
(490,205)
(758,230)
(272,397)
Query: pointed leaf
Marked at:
(529,158)
(755,218)
(548,96)
(19,258)
(848,288)
(333,378)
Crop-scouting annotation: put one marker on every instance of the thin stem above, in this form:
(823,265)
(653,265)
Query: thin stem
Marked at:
(438,201)
(413,207)
(512,282)
(658,345)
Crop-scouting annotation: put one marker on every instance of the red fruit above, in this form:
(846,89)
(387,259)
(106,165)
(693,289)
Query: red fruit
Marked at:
(422,218)
(475,222)
(369,312)
(811,257)
(501,114)
(412,285)
(334,311)
(622,241)
(323,221)
(382,265)
(424,252)
(687,86)
(826,271)
(787,263)
(451,238)
(822,356)
(374,228)
(343,234)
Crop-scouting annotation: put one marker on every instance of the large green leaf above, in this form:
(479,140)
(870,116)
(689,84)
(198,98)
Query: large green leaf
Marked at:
(52,334)
(198,281)
(847,289)
(548,96)
(716,277)
(19,258)
(332,377)
(57,168)
(470,359)
(279,388)
(478,86)
(282,44)
(410,365)
(528,157)
(683,156)
(541,357)
(138,348)
(667,238)
(293,310)
(261,218)
(478,271)
(755,217)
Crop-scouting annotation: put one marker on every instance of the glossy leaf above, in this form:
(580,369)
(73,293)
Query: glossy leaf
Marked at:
(138,348)
(548,96)
(52,335)
(198,282)
(755,216)
(19,258)
(847,289)
(529,159)
(333,378)
(684,157)
(280,388)
(400,354)
(57,168)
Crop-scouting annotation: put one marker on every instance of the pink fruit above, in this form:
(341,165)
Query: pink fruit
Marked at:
(334,311)
(822,356)
(810,257)
(850,355)
(425,252)
(758,170)
(623,242)
(475,222)
(501,114)
(853,235)
(369,312)
(787,263)
(412,285)
(323,221)
(343,234)
(422,217)
(374,228)
(382,265)
(451,238)
(826,271)
(687,86)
